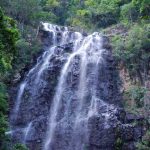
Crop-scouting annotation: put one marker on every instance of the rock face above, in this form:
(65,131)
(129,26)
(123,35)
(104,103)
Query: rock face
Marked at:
(81,112)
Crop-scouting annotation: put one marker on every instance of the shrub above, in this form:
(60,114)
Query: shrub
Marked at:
(20,147)
(144,144)
(132,51)
(129,13)
(137,94)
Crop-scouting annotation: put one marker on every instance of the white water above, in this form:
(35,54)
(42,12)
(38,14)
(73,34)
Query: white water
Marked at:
(38,69)
(27,131)
(89,49)
(41,66)
(57,98)
(46,56)
(18,100)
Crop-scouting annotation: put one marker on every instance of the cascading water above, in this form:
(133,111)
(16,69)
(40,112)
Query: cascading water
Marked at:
(38,69)
(60,95)
(90,52)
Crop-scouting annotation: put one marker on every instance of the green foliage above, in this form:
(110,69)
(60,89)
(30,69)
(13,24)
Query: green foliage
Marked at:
(118,144)
(3,110)
(20,147)
(3,97)
(81,19)
(8,37)
(53,3)
(144,144)
(135,10)
(3,126)
(26,51)
(94,14)
(57,9)
(25,11)
(144,6)
(82,13)
(137,94)
(103,6)
(129,13)
(133,52)
(28,12)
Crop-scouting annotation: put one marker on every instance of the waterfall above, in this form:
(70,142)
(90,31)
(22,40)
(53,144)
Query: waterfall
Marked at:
(58,117)
(90,51)
(39,67)
(26,131)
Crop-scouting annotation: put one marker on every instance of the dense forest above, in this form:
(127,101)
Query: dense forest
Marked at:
(125,22)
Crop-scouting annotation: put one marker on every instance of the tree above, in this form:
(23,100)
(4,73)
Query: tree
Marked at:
(129,13)
(144,6)
(8,37)
(133,52)
(95,13)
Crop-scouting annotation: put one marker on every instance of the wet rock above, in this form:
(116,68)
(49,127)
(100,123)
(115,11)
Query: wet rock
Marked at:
(106,43)
(130,118)
(129,146)
(138,133)
(101,135)
(127,133)
(17,78)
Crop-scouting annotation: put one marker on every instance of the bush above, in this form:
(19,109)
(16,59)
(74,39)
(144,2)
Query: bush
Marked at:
(137,94)
(8,37)
(20,147)
(129,13)
(132,51)
(144,144)
(3,110)
(143,6)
